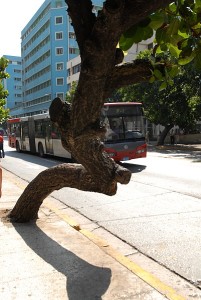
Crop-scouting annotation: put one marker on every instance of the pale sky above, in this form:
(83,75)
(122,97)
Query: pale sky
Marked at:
(15,14)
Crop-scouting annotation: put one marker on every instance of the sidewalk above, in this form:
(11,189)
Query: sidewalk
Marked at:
(56,258)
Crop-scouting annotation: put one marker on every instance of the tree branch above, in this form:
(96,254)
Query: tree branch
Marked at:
(129,73)
(55,178)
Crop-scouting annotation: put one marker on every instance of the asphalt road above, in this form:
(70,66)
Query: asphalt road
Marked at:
(158,212)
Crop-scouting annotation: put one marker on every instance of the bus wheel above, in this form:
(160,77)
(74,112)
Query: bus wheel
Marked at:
(41,150)
(17,147)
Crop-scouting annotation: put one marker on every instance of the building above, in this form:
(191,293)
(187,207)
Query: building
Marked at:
(47,43)
(14,83)
(44,51)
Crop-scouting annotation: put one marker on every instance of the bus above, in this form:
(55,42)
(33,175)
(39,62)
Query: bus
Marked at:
(125,130)
(124,138)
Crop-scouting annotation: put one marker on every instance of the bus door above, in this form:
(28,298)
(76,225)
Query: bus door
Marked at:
(48,137)
(24,136)
(32,144)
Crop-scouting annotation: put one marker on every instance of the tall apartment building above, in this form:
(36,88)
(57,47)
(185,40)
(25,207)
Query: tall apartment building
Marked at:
(14,83)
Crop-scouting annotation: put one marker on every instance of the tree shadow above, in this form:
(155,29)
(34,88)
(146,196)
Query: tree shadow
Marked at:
(178,152)
(84,281)
(134,168)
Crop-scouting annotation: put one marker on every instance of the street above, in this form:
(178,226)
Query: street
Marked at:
(158,212)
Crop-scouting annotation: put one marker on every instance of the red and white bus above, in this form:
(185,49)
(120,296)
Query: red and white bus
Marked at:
(124,138)
(125,130)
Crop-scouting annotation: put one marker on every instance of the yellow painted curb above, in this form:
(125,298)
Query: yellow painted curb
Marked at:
(64,217)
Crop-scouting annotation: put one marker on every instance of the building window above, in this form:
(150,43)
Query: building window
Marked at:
(77,69)
(58,3)
(71,35)
(73,50)
(59,51)
(59,66)
(59,35)
(18,87)
(60,95)
(59,20)
(60,81)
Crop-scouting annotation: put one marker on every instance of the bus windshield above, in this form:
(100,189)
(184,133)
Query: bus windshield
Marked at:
(122,123)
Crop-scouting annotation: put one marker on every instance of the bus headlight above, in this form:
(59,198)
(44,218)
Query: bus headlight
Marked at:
(140,151)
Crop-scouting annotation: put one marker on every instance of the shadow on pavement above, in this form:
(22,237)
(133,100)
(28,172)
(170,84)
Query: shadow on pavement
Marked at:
(33,158)
(84,281)
(178,151)
(134,168)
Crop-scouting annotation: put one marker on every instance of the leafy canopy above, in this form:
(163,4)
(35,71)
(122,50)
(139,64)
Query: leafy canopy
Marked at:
(178,104)
(177,31)
(4,113)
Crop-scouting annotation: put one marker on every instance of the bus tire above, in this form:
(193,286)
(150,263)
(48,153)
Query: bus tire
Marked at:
(17,147)
(41,150)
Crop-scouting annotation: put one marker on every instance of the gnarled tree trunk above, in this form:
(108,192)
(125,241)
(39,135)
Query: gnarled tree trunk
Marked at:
(97,37)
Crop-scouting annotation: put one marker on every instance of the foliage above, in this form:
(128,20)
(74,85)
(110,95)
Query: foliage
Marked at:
(3,93)
(70,94)
(179,104)
(177,30)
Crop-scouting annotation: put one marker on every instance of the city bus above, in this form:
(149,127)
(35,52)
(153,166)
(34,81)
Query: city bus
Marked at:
(124,138)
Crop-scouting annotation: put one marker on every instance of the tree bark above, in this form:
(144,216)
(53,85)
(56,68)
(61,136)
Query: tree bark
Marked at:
(163,134)
(55,178)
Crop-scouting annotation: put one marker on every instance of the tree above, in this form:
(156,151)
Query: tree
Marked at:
(3,93)
(178,104)
(102,73)
(71,92)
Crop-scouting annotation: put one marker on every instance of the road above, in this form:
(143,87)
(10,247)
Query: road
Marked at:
(158,212)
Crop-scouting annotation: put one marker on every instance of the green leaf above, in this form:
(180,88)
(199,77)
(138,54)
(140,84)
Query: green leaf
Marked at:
(174,51)
(187,59)
(162,36)
(158,74)
(163,86)
(125,43)
(152,79)
(134,35)
(158,49)
(173,26)
(183,34)
(174,71)
(173,7)
(157,20)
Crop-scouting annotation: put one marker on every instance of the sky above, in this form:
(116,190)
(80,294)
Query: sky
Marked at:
(15,14)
